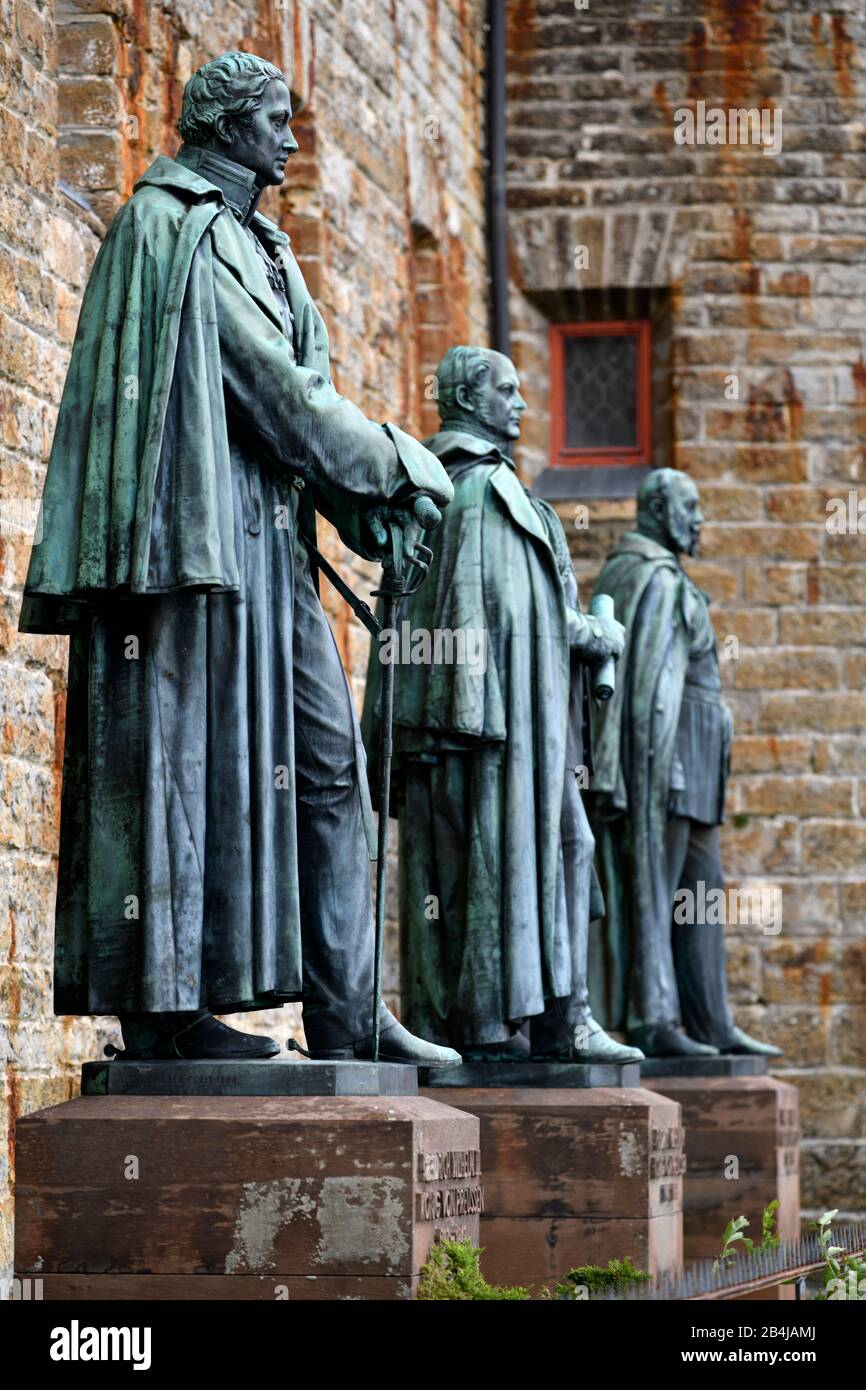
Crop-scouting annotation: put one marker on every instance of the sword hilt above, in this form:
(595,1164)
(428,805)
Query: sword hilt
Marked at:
(396,583)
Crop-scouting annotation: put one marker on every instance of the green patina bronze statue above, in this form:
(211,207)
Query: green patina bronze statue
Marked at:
(489,730)
(662,751)
(213,854)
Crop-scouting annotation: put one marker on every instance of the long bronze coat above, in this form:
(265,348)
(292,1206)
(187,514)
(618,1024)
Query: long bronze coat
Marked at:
(191,434)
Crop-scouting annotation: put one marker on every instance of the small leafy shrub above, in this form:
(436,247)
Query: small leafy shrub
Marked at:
(579,1283)
(453,1272)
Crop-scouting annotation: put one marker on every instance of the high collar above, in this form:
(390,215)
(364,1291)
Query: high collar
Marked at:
(450,442)
(636,543)
(236,183)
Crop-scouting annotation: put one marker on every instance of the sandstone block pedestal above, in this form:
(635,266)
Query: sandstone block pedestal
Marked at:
(241,1197)
(742,1149)
(575,1176)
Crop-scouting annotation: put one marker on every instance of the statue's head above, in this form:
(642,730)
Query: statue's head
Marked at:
(240,106)
(669,510)
(478,390)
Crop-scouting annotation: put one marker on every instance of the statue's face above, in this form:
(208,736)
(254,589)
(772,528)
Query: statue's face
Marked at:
(498,404)
(683,516)
(266,144)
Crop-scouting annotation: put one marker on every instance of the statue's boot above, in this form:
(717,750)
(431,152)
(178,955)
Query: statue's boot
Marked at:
(194,1036)
(741,1044)
(514,1049)
(588,1042)
(666,1040)
(396,1044)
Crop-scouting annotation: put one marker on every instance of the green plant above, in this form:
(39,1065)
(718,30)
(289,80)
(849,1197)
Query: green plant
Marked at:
(589,1279)
(733,1240)
(841,1278)
(453,1272)
(769,1235)
(732,1233)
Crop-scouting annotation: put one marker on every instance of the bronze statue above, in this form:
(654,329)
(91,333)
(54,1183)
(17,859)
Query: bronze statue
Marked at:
(213,854)
(662,752)
(489,728)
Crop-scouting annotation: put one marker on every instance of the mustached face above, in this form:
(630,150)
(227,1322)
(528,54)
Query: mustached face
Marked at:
(683,517)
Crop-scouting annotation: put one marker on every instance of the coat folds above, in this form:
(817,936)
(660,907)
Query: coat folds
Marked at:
(210,731)
(138,496)
(634,740)
(484,754)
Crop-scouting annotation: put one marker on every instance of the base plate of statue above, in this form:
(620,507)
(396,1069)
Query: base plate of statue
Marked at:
(544,1074)
(239,1078)
(725,1064)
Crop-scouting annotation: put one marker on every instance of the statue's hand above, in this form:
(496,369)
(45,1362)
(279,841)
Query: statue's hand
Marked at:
(424,515)
(614,634)
(427,514)
(601,638)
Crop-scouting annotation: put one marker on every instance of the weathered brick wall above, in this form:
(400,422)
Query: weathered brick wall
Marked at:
(385,207)
(760,262)
(45,248)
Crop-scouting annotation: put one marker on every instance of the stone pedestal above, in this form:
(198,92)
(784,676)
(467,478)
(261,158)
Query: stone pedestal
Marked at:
(742,1150)
(575,1176)
(241,1197)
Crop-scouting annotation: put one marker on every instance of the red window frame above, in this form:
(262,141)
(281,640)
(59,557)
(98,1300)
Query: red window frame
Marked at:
(641,454)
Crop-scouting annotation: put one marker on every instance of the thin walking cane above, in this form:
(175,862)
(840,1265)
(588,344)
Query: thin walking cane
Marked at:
(398,581)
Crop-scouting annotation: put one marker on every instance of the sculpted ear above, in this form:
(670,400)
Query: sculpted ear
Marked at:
(223,128)
(658,506)
(463,396)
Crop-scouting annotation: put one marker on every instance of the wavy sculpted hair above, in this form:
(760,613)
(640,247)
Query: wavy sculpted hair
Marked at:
(461,366)
(233,84)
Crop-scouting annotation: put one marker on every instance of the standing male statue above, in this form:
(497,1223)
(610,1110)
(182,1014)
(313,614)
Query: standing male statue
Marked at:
(661,760)
(213,854)
(495,847)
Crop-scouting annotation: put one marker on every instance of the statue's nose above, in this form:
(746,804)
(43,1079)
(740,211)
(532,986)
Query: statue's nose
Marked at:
(290,144)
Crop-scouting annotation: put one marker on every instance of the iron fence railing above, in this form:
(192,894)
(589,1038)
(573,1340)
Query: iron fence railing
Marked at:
(746,1273)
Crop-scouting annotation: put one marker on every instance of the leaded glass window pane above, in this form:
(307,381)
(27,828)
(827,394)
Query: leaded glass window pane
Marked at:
(601,391)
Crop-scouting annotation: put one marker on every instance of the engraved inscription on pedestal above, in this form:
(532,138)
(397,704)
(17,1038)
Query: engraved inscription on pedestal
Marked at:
(450,1191)
(667,1154)
(788,1138)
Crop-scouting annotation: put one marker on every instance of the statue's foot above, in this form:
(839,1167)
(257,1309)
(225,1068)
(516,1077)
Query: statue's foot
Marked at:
(740,1044)
(590,1044)
(192,1037)
(210,1040)
(396,1044)
(666,1040)
(514,1049)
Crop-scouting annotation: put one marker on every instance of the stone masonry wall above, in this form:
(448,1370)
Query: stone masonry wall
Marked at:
(46,245)
(384,204)
(752,266)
